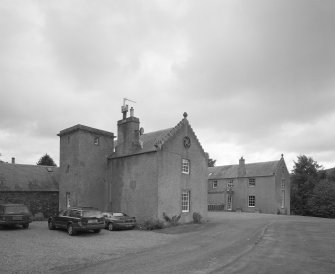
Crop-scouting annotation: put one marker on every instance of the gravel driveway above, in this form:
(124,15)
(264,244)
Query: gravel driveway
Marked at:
(39,250)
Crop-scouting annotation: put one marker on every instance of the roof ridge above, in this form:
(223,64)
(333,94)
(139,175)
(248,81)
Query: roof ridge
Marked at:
(159,142)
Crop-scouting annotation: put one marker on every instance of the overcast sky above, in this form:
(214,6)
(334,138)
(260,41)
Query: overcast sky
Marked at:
(257,78)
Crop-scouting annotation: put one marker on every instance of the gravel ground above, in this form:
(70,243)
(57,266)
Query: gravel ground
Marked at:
(39,250)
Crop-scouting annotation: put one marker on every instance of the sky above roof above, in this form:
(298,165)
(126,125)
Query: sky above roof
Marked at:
(257,78)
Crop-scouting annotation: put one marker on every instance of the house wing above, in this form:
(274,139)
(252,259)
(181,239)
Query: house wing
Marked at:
(17,177)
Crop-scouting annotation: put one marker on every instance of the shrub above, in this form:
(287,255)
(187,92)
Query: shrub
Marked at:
(151,224)
(197,217)
(173,220)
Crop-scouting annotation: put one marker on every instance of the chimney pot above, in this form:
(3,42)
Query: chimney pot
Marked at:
(13,160)
(131,112)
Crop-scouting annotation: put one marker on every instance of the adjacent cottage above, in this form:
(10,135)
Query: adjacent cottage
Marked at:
(256,187)
(33,185)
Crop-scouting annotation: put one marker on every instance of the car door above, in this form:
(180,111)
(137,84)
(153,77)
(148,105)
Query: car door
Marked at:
(62,219)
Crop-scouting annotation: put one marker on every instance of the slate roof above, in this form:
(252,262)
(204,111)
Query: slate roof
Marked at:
(252,170)
(18,177)
(153,141)
(85,128)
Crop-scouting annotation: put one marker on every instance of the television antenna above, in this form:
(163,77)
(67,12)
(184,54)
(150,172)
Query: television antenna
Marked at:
(124,108)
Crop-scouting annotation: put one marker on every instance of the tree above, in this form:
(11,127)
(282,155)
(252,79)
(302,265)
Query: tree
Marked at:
(322,201)
(46,160)
(211,162)
(306,174)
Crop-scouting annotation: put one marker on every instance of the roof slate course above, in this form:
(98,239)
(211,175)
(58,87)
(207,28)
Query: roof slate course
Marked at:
(252,170)
(18,177)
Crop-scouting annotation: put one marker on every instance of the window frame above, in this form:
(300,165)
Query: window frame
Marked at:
(215,182)
(251,200)
(185,203)
(185,166)
(282,199)
(252,182)
(230,183)
(96,140)
(283,183)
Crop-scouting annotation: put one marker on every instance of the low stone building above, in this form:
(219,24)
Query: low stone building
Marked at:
(144,175)
(255,187)
(33,185)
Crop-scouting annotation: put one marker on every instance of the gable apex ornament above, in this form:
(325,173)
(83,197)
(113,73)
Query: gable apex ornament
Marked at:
(185,115)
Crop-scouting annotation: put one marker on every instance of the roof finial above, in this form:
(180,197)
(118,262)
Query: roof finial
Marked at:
(282,155)
(185,115)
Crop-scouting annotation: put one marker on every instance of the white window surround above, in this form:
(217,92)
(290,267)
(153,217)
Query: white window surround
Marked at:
(251,201)
(215,184)
(185,168)
(185,201)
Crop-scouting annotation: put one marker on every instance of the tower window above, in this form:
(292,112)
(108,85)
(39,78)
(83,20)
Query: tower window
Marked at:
(96,141)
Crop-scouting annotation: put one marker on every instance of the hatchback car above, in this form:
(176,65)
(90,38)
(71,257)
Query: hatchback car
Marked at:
(77,219)
(15,214)
(118,220)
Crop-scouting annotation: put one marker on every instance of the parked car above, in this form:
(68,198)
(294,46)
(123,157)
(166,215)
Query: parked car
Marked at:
(75,219)
(15,214)
(118,220)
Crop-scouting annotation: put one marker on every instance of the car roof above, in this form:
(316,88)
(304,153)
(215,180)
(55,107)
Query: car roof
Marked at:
(9,204)
(82,207)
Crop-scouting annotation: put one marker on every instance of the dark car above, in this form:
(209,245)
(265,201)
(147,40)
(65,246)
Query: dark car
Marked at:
(75,219)
(118,220)
(15,214)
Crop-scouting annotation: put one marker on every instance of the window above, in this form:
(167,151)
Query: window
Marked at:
(186,166)
(96,141)
(230,184)
(283,183)
(251,201)
(252,182)
(185,201)
(215,184)
(282,198)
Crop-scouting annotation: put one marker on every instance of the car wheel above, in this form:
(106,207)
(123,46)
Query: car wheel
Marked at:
(51,225)
(70,230)
(110,226)
(96,230)
(25,226)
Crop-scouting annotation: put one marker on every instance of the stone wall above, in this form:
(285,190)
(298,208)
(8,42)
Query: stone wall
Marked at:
(45,202)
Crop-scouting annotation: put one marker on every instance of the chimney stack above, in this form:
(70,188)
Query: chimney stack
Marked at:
(241,168)
(128,133)
(13,160)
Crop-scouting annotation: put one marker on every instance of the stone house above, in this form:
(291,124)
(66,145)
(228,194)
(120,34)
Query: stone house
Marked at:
(144,175)
(255,187)
(33,185)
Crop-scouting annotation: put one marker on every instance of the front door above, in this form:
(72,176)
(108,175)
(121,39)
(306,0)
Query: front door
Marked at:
(229,202)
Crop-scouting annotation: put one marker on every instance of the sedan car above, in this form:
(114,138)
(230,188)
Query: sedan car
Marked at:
(75,219)
(15,214)
(118,220)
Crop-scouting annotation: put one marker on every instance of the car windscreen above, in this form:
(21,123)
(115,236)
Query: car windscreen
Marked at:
(16,209)
(92,213)
(117,214)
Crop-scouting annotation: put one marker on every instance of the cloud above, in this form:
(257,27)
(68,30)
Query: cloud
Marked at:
(256,77)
